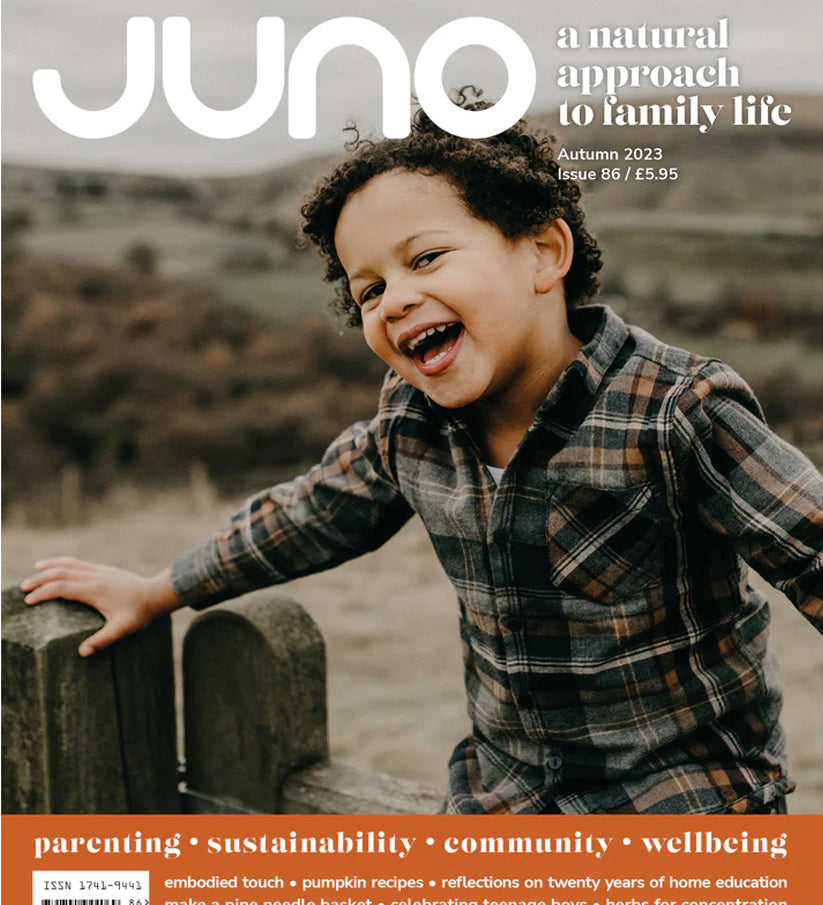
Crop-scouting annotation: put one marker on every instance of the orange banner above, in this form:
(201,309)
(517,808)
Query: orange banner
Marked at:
(299,860)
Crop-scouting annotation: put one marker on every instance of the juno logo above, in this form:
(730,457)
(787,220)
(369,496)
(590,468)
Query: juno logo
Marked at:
(302,79)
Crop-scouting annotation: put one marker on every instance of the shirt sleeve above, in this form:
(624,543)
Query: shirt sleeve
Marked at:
(345,506)
(754,488)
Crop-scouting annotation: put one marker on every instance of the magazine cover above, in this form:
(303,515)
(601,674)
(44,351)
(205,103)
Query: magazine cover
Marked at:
(272,616)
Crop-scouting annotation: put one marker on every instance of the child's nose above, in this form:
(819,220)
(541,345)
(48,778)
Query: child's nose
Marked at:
(398,299)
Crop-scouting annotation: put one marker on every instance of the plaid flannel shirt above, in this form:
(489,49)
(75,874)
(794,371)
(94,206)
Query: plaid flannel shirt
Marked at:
(616,657)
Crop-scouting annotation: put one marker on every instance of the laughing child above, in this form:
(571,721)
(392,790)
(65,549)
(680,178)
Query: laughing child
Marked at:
(593,494)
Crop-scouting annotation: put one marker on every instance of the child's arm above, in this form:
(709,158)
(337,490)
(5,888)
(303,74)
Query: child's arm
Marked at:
(347,505)
(126,601)
(754,488)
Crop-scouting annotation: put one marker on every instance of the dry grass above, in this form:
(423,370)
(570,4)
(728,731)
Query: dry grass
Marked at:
(390,624)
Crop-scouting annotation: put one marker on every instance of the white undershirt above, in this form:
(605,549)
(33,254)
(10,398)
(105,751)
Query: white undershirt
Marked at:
(496,473)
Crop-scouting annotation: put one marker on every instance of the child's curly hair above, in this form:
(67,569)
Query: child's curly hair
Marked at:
(509,180)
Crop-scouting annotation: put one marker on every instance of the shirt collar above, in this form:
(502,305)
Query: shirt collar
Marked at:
(604,334)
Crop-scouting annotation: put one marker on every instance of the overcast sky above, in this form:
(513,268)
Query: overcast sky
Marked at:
(775,45)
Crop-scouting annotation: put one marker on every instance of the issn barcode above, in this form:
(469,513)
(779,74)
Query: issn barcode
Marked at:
(80,901)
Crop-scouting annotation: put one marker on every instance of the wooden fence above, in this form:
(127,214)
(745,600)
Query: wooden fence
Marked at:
(99,735)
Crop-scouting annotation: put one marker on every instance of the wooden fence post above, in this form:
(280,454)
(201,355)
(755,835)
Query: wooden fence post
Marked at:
(254,679)
(85,736)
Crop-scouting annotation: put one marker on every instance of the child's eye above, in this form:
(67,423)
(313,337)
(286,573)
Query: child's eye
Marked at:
(426,258)
(370,293)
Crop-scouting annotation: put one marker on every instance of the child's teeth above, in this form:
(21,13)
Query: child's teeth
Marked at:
(440,328)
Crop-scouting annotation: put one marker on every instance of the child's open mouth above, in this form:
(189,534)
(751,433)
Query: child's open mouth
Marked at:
(434,349)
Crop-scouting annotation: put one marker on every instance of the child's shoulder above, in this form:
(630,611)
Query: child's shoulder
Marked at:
(650,385)
(686,376)
(687,401)
(670,363)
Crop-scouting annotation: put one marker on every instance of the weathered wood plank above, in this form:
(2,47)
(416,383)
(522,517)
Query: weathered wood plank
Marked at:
(255,690)
(84,735)
(339,789)
(143,669)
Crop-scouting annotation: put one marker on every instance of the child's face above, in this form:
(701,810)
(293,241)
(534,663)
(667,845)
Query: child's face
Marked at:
(458,310)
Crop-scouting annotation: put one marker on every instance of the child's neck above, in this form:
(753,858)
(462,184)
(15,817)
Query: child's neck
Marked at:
(498,449)
(499,436)
(500,424)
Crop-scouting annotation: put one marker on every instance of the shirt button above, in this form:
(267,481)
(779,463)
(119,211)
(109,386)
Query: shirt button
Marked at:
(525,700)
(554,761)
(499,536)
(513,623)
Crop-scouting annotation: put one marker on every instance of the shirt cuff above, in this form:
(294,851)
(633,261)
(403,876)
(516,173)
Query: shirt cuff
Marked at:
(199,581)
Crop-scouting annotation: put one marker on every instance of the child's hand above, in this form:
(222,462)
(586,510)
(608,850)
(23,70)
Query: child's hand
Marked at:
(127,601)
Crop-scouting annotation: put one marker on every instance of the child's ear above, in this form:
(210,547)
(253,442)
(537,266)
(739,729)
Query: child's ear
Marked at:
(555,250)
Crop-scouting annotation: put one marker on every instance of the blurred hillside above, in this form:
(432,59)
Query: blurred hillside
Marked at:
(121,376)
(151,324)
(742,215)
(743,171)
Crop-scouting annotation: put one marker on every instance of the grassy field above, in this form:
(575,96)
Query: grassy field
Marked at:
(102,234)
(284,295)
(695,266)
(698,266)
